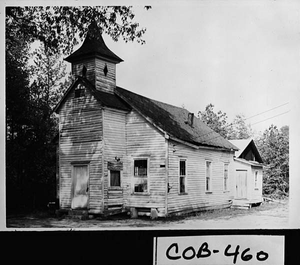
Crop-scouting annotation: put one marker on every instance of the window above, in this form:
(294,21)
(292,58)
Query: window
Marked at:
(208,176)
(225,177)
(79,91)
(256,180)
(140,175)
(115,178)
(182,176)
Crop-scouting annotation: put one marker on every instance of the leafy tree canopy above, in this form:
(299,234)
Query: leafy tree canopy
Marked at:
(216,121)
(273,146)
(61,27)
(239,129)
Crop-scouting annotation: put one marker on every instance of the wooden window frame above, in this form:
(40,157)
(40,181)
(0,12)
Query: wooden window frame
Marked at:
(226,179)
(210,177)
(147,177)
(182,176)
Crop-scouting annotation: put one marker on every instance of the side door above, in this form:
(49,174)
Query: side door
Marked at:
(80,187)
(241,184)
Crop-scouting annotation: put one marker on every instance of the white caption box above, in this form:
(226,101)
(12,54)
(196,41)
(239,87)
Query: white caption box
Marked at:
(219,250)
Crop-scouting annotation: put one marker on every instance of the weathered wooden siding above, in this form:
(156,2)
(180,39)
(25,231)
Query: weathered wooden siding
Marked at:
(95,73)
(143,140)
(90,66)
(196,197)
(105,83)
(81,140)
(114,146)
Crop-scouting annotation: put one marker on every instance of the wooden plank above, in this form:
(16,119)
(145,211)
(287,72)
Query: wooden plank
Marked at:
(196,195)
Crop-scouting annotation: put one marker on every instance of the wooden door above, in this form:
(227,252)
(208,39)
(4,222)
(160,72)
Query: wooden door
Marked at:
(241,184)
(80,187)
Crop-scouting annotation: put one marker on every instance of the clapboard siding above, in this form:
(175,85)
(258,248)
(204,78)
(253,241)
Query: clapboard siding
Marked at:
(196,196)
(114,146)
(81,140)
(143,140)
(105,83)
(90,66)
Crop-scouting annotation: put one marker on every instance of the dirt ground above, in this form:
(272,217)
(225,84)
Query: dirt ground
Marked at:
(266,216)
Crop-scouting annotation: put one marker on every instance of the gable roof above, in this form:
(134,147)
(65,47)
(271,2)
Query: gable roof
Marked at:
(173,121)
(167,118)
(105,99)
(244,145)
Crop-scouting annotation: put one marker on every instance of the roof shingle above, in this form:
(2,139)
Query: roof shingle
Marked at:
(173,120)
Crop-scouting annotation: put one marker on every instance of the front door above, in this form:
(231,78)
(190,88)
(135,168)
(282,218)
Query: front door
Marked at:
(80,187)
(241,184)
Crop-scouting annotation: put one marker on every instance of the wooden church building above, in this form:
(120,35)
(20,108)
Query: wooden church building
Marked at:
(121,151)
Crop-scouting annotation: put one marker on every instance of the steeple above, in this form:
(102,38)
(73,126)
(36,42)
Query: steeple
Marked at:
(95,61)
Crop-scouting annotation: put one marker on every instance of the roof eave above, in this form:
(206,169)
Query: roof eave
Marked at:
(79,57)
(251,163)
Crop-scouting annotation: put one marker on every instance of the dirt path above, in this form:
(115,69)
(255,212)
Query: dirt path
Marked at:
(267,216)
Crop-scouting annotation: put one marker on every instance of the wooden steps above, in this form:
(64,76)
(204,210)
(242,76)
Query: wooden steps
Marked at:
(243,203)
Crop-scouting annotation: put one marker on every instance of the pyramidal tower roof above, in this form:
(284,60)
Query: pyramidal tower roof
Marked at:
(94,46)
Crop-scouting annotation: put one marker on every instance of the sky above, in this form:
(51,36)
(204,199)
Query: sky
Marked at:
(241,56)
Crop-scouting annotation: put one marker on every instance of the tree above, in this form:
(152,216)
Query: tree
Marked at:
(239,129)
(60,28)
(273,146)
(216,121)
(49,76)
(32,92)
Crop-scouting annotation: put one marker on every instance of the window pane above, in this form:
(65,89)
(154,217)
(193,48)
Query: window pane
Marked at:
(182,184)
(207,184)
(115,178)
(140,168)
(208,175)
(140,185)
(225,176)
(256,179)
(182,168)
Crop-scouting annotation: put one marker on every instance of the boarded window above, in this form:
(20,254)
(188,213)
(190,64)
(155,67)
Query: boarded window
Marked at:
(140,175)
(225,176)
(115,178)
(182,176)
(208,176)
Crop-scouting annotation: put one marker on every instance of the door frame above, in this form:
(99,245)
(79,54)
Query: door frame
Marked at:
(78,164)
(236,183)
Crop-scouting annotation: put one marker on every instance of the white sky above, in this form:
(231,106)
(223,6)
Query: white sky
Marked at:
(242,56)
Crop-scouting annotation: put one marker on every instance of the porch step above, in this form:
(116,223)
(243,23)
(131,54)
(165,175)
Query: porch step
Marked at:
(115,210)
(78,214)
(244,203)
(241,204)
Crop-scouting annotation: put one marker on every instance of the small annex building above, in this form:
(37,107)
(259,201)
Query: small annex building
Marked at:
(121,151)
(248,174)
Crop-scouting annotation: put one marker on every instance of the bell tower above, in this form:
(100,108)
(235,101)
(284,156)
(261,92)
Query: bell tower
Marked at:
(95,61)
